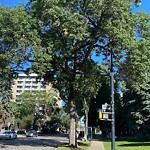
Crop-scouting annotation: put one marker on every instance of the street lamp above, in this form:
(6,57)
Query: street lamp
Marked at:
(112,103)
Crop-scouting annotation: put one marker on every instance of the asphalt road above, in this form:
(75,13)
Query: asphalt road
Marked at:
(42,142)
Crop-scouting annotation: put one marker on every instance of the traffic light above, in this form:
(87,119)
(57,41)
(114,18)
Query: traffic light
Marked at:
(14,75)
(50,75)
(55,76)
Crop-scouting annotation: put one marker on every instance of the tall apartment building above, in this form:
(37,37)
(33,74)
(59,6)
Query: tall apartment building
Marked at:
(28,83)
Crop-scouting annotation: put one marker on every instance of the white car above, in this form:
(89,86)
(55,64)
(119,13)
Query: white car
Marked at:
(7,135)
(32,133)
(15,134)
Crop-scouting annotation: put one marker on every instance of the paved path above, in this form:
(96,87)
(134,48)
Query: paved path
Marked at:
(96,145)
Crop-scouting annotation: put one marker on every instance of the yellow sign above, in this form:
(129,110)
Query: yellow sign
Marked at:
(100,115)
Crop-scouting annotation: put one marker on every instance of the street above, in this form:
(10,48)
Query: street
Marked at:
(43,142)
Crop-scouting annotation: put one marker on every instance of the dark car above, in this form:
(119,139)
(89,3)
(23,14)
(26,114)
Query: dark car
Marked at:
(32,133)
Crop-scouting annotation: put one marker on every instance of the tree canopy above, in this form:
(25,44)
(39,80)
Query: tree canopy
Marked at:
(63,35)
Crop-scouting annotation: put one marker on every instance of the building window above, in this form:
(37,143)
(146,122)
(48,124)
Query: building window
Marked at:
(20,82)
(19,87)
(27,87)
(19,91)
(21,78)
(34,82)
(43,87)
(34,87)
(27,90)
(27,82)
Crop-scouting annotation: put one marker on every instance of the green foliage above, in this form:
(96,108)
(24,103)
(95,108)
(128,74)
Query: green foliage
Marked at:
(6,113)
(133,113)
(136,67)
(25,123)
(102,97)
(132,110)
(64,122)
(92,26)
(35,109)
(19,39)
(35,35)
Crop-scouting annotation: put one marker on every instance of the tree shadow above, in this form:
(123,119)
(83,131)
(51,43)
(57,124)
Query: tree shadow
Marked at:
(34,142)
(132,140)
(135,144)
(80,144)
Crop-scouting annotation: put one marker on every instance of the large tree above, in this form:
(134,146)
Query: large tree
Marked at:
(135,74)
(72,30)
(69,32)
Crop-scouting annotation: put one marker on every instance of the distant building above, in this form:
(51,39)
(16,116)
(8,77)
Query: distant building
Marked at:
(26,83)
(29,83)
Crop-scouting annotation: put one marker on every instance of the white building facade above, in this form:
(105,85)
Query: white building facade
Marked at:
(29,83)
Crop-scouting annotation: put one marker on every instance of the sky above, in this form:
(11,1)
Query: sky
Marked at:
(12,3)
(145,5)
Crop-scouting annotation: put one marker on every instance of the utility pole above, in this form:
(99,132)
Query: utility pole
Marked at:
(112,103)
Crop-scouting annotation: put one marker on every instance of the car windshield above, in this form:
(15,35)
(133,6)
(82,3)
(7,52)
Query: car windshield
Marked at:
(31,131)
(13,132)
(8,132)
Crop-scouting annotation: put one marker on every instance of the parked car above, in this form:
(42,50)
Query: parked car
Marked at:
(7,135)
(22,132)
(14,133)
(32,133)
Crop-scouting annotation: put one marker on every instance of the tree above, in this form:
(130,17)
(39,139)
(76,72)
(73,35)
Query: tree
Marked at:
(19,40)
(64,34)
(18,43)
(6,113)
(72,30)
(89,87)
(135,68)
(135,74)
(38,106)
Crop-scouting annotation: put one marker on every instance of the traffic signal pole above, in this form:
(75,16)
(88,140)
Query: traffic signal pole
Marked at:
(112,104)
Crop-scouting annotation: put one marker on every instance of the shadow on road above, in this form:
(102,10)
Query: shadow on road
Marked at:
(50,141)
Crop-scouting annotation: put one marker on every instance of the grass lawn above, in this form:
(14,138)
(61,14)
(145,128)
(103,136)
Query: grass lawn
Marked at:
(81,146)
(128,145)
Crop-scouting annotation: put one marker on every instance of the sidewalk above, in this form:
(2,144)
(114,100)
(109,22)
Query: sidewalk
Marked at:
(96,145)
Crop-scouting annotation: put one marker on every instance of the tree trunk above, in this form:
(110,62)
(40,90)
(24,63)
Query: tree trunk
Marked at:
(72,135)
(86,125)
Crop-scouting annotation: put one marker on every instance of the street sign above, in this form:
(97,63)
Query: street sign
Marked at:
(106,107)
(100,115)
(105,116)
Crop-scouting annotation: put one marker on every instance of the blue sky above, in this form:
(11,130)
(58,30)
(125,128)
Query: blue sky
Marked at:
(145,4)
(12,3)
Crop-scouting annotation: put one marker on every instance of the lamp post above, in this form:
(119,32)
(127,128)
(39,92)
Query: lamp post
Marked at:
(112,103)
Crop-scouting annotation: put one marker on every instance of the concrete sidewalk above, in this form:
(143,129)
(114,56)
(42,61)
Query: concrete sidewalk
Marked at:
(96,145)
